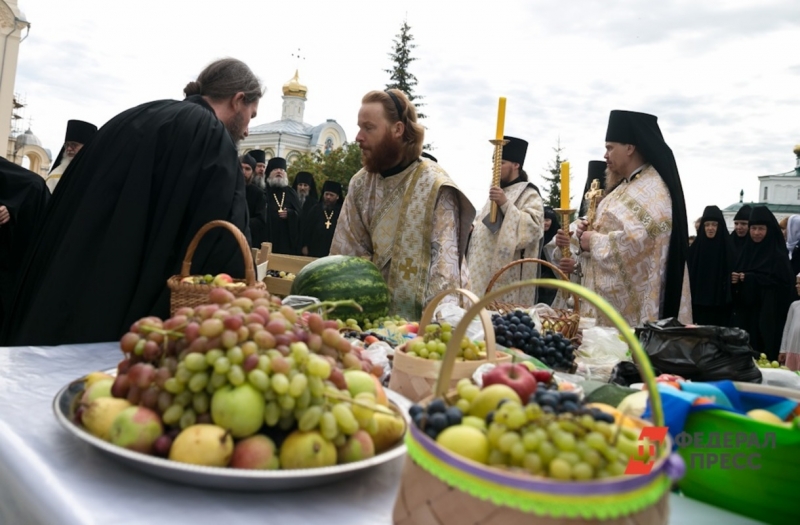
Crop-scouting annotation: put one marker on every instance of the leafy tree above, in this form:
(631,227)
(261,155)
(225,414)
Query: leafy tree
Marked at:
(553,179)
(338,165)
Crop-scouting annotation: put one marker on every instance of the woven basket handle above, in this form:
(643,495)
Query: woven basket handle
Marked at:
(638,354)
(249,271)
(561,275)
(486,319)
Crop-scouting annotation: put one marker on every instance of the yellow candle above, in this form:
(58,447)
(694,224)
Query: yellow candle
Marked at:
(501,118)
(565,185)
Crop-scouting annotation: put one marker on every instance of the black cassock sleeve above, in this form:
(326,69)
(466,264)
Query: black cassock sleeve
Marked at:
(120,223)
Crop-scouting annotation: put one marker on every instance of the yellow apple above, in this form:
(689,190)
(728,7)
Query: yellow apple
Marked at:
(466,441)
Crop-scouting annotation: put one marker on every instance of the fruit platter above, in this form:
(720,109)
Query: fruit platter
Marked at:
(242,393)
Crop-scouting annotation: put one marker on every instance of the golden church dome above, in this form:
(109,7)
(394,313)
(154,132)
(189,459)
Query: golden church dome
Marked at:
(294,88)
(797,150)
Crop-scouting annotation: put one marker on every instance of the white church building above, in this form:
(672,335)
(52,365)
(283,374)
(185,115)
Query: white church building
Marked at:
(779,192)
(290,137)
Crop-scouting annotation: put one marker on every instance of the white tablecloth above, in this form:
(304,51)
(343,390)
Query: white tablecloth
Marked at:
(49,477)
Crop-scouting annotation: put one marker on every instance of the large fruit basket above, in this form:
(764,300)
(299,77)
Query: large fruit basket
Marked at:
(565,321)
(439,486)
(194,294)
(414,377)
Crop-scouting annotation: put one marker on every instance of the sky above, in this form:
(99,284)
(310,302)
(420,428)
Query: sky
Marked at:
(722,77)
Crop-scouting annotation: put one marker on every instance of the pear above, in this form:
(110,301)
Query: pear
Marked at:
(94,377)
(307,450)
(389,430)
(207,445)
(99,415)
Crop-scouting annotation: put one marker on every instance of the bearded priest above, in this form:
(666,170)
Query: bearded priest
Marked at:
(403,211)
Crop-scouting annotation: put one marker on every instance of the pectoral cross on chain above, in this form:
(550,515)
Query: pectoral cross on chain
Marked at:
(407,269)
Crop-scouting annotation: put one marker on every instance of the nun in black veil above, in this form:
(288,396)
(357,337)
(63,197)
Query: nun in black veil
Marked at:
(762,284)
(710,263)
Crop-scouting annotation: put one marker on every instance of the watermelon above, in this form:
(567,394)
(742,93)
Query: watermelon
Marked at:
(343,277)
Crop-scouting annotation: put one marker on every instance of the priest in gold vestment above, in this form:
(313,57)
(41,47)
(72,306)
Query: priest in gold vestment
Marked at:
(403,212)
(517,233)
(635,256)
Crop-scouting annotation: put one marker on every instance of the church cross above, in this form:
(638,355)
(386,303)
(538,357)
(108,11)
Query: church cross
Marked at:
(407,268)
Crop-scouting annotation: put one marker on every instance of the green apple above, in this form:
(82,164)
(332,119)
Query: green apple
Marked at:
(136,428)
(466,441)
(489,397)
(359,381)
(239,409)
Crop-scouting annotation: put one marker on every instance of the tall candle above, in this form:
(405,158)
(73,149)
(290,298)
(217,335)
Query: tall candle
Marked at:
(565,185)
(501,118)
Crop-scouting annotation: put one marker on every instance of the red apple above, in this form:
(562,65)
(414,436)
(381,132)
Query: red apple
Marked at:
(514,375)
(542,376)
(222,279)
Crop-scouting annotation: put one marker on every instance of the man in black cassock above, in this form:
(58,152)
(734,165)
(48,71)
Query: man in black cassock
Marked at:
(306,189)
(23,199)
(127,208)
(79,133)
(283,210)
(320,223)
(261,166)
(256,202)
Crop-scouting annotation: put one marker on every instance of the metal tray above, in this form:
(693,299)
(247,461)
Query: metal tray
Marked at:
(222,478)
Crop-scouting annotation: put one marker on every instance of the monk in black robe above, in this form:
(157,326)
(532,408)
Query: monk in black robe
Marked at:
(710,264)
(306,189)
(741,231)
(762,284)
(283,210)
(256,202)
(23,200)
(127,208)
(320,223)
(551,226)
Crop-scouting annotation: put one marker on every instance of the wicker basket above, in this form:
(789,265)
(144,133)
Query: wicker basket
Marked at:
(414,377)
(192,294)
(566,322)
(438,486)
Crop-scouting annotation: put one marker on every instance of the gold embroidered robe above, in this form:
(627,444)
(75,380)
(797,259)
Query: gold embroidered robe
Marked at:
(413,226)
(627,260)
(519,236)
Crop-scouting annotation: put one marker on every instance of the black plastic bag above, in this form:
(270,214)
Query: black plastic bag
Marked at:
(625,373)
(704,353)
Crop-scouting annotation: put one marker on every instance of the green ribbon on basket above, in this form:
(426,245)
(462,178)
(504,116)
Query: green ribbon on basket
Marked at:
(540,503)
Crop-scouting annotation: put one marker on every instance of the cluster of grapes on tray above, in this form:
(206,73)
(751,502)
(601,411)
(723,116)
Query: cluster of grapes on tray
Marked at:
(517,330)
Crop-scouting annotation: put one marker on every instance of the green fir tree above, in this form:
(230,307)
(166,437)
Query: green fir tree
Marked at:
(553,179)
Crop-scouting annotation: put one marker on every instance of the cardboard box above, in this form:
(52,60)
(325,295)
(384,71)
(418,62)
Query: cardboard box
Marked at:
(281,263)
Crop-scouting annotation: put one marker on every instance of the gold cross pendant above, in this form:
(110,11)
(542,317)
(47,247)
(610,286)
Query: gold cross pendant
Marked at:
(327,225)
